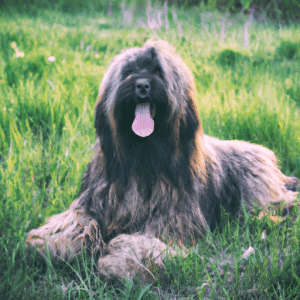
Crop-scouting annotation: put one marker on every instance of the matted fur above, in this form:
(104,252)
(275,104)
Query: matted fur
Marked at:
(138,191)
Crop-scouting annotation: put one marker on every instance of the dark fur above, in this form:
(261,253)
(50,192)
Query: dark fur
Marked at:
(169,184)
(177,184)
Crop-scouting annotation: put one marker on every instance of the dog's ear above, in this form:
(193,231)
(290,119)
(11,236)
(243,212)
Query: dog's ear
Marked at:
(190,123)
(105,135)
(101,119)
(102,122)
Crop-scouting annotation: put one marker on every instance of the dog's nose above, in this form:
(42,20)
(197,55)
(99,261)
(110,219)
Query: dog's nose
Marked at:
(142,87)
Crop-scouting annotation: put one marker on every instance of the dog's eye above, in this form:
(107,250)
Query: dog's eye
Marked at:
(158,71)
(127,71)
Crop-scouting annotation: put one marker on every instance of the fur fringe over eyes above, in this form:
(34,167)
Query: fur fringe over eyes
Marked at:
(155,174)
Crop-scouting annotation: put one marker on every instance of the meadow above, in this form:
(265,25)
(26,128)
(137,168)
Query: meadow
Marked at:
(248,87)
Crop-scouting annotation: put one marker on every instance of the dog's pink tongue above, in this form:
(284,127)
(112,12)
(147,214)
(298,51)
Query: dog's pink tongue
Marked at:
(143,124)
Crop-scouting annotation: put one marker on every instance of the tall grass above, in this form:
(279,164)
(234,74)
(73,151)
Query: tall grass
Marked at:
(46,140)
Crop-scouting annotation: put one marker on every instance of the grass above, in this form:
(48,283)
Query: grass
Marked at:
(47,136)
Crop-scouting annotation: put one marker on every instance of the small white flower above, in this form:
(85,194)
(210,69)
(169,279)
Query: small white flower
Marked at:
(51,58)
(19,54)
(248,252)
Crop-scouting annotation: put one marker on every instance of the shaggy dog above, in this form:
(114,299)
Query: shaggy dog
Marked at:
(154,174)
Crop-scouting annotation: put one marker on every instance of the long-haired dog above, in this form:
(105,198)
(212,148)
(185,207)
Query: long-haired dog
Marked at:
(154,174)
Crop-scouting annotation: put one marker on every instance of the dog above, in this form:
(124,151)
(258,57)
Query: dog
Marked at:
(155,175)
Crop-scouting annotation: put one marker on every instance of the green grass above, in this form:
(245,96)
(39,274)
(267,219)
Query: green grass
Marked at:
(47,137)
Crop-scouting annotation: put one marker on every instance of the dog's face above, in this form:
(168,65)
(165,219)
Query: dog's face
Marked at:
(146,117)
(141,101)
(147,94)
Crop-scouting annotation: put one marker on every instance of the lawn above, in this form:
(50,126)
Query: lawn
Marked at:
(248,87)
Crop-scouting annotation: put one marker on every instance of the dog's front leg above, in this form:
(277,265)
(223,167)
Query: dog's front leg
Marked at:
(138,255)
(66,234)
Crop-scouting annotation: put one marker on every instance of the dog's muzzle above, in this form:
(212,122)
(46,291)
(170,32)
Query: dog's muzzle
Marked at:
(143,124)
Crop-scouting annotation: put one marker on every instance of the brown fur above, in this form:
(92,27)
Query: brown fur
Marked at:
(136,192)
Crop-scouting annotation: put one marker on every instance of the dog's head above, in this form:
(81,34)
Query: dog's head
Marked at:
(146,109)
(145,86)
